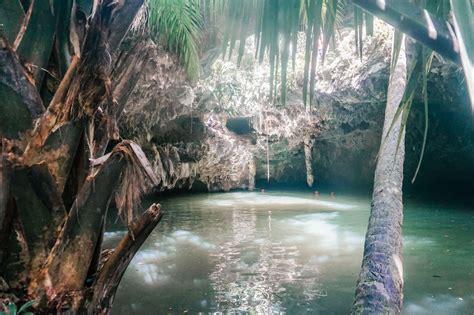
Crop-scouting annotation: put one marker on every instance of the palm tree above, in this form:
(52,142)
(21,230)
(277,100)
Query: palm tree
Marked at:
(63,85)
(379,289)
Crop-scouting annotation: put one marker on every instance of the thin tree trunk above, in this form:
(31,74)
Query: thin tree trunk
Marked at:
(252,173)
(379,289)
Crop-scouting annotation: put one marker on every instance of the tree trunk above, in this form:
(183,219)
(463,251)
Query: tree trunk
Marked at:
(53,196)
(379,289)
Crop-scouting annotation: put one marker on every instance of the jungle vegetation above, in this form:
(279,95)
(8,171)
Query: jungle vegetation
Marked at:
(65,80)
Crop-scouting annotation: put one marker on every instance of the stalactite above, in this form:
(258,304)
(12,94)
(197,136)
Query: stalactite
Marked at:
(252,173)
(268,154)
(268,163)
(308,159)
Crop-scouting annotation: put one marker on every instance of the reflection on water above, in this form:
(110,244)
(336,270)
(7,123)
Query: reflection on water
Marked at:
(252,271)
(286,253)
(264,200)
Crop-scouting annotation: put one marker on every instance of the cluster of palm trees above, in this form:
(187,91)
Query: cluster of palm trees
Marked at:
(64,83)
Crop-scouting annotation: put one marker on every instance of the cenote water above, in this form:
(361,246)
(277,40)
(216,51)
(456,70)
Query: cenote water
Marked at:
(293,253)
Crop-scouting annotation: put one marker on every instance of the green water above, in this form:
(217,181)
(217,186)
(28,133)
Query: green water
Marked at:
(293,253)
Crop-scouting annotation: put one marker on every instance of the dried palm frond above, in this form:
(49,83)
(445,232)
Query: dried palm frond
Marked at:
(136,179)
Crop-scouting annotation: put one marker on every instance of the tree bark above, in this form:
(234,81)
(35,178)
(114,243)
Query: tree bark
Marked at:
(53,252)
(379,289)
(122,20)
(69,261)
(126,74)
(12,18)
(5,218)
(40,209)
(21,103)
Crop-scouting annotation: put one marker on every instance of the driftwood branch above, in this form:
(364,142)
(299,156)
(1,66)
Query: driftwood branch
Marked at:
(109,277)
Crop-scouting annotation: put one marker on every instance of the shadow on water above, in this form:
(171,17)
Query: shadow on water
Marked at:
(291,252)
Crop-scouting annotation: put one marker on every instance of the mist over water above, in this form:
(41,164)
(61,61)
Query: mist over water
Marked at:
(290,252)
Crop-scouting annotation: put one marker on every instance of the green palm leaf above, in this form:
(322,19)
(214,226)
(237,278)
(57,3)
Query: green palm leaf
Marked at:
(25,306)
(177,24)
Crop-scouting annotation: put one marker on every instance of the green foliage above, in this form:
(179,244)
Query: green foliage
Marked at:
(178,25)
(276,24)
(13,309)
(427,59)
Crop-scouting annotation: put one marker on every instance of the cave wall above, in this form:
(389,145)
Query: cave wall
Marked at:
(187,129)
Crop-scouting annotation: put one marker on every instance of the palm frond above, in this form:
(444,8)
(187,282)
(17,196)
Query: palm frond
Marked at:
(316,32)
(427,60)
(328,24)
(276,25)
(177,24)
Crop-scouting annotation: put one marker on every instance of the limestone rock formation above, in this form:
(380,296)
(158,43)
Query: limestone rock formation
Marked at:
(226,131)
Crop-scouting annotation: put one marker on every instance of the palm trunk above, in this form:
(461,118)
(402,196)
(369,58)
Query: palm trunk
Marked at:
(53,198)
(379,289)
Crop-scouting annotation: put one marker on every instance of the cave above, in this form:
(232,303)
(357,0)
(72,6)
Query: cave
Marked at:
(239,125)
(236,157)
